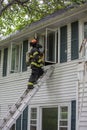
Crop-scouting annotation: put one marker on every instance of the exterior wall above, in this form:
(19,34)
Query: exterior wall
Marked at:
(60,87)
(11,89)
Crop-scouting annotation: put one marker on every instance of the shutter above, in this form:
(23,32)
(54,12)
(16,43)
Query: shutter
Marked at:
(25,119)
(73,115)
(0,58)
(18,123)
(63,44)
(5,57)
(25,49)
(74,40)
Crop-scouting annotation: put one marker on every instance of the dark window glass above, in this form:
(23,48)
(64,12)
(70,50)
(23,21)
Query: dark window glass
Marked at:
(51,47)
(49,118)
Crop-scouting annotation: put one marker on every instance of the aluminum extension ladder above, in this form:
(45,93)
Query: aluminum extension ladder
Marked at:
(82,81)
(23,101)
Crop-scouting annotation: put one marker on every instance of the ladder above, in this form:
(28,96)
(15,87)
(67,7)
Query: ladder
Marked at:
(82,71)
(23,101)
(82,81)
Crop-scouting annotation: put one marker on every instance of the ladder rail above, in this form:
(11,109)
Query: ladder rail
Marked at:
(24,101)
(82,97)
(83,87)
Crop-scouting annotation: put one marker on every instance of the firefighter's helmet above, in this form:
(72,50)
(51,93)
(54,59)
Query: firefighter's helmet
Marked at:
(34,41)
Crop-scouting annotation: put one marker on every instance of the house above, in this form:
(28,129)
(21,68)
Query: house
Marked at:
(56,105)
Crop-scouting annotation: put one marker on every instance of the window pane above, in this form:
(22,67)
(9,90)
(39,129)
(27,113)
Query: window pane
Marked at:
(33,121)
(64,113)
(63,123)
(49,118)
(63,128)
(32,127)
(51,47)
(85,30)
(64,109)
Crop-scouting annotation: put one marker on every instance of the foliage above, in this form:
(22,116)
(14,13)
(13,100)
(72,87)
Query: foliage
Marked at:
(23,12)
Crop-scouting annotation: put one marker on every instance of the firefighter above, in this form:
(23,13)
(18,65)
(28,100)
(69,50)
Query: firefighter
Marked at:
(36,63)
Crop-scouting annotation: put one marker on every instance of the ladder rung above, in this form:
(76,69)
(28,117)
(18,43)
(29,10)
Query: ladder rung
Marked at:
(12,112)
(18,105)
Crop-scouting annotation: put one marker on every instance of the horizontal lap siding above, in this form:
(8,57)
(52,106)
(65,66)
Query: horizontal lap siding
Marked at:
(83,109)
(60,87)
(11,88)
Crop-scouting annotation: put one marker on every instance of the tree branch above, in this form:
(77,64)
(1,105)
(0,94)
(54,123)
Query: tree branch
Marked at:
(4,6)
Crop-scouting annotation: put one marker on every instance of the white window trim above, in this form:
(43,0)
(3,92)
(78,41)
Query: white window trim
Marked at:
(39,114)
(55,31)
(19,67)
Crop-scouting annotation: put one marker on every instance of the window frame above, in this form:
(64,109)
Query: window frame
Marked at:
(20,56)
(20,59)
(39,114)
(29,115)
(46,43)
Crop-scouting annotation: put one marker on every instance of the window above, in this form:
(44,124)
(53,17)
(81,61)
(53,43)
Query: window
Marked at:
(74,40)
(49,118)
(5,58)
(50,46)
(33,119)
(63,44)
(85,30)
(63,118)
(18,57)
(56,118)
